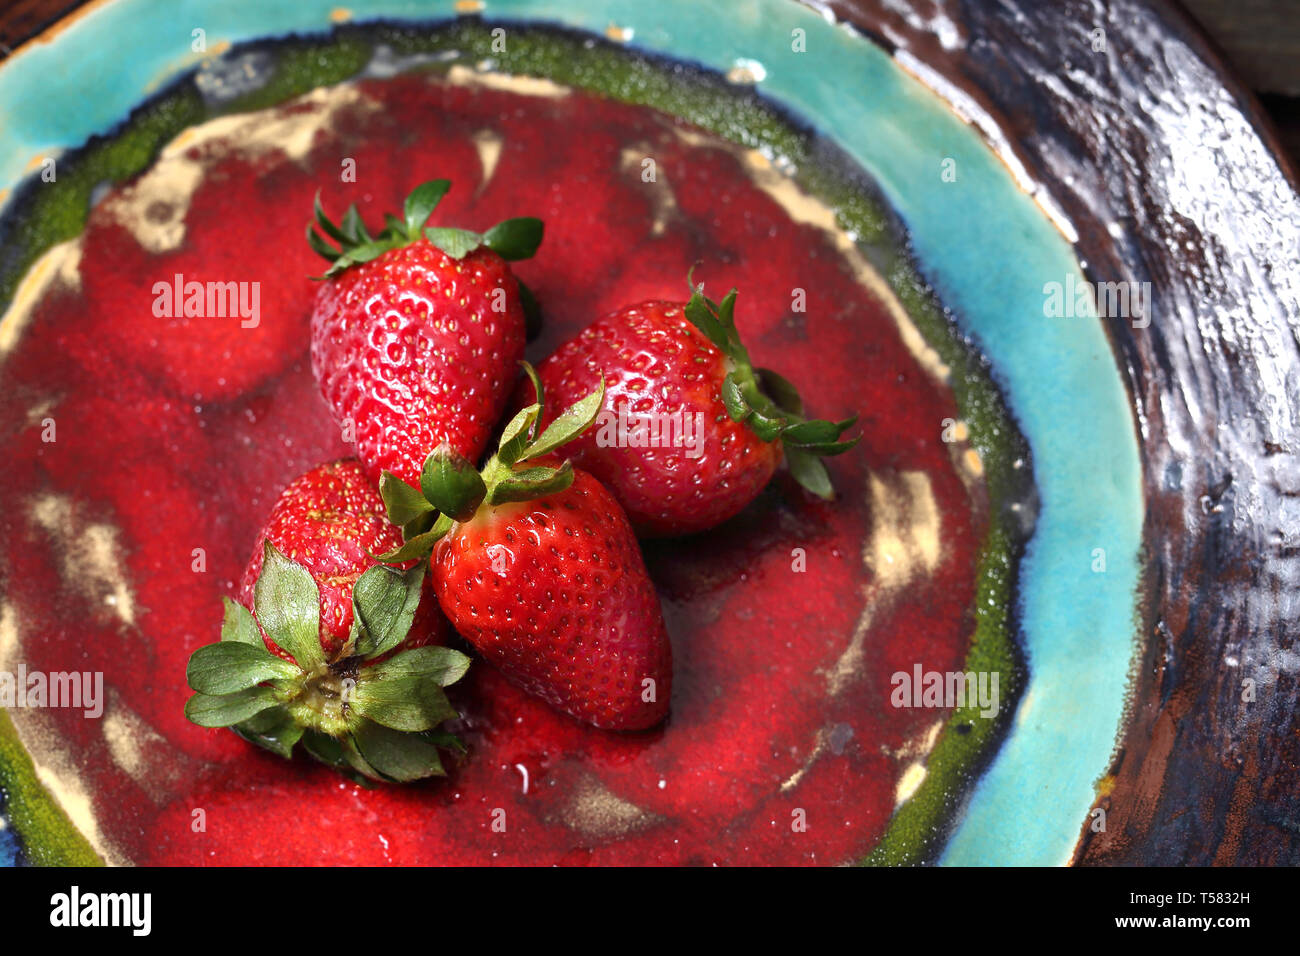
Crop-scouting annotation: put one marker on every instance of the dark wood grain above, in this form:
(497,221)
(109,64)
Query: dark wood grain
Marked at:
(22,19)
(1164,165)
(1261,38)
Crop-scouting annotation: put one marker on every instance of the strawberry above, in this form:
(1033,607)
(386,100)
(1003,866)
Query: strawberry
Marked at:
(536,566)
(690,432)
(331,520)
(417,332)
(335,651)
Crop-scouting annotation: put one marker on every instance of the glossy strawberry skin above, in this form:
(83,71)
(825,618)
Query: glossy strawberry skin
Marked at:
(415,348)
(656,363)
(326,521)
(554,592)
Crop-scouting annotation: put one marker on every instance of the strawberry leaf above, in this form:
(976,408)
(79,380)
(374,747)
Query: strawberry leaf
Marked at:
(418,546)
(827,449)
(539,390)
(734,399)
(230,666)
(818,437)
(515,436)
(370,249)
(571,423)
(813,431)
(725,311)
(503,482)
(419,526)
(229,709)
(396,755)
(532,483)
(287,602)
(766,428)
(515,239)
(352,758)
(384,602)
(698,313)
(326,225)
(401,699)
(767,403)
(511,239)
(447,741)
(320,246)
(809,471)
(781,391)
(394,228)
(239,625)
(353,228)
(328,750)
(273,729)
(442,665)
(457,243)
(421,202)
(402,502)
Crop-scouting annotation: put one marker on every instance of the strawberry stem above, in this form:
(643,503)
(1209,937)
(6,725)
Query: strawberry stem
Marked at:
(450,484)
(767,403)
(511,239)
(359,711)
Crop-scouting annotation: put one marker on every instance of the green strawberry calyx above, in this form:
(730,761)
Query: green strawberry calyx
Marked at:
(452,489)
(511,239)
(372,719)
(766,402)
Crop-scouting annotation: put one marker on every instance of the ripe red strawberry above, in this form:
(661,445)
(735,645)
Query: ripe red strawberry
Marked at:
(328,646)
(690,432)
(417,332)
(536,565)
(331,520)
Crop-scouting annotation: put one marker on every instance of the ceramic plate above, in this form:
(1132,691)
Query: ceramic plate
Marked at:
(1057,310)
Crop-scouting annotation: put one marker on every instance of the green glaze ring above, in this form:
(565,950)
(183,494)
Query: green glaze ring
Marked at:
(49,837)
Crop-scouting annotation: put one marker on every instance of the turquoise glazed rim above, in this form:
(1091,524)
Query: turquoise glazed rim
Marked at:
(979,239)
